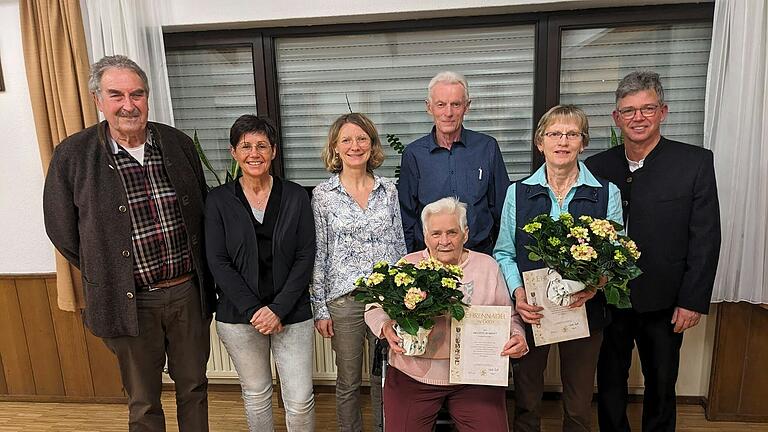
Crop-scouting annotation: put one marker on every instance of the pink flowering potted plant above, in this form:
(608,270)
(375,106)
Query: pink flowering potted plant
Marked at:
(581,253)
(413,295)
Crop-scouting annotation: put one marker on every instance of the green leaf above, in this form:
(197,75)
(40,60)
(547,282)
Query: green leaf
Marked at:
(203,158)
(428,323)
(397,146)
(409,325)
(234,170)
(533,256)
(633,272)
(612,296)
(616,139)
(457,311)
(624,302)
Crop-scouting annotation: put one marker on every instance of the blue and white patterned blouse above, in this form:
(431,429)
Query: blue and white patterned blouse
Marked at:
(350,240)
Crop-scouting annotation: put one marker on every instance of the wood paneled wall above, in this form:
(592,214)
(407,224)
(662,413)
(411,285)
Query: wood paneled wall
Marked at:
(47,354)
(738,389)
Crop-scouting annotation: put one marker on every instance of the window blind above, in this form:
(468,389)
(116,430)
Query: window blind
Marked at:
(385,76)
(594,60)
(210,89)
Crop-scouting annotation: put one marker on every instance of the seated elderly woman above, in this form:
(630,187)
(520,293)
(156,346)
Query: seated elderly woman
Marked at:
(416,387)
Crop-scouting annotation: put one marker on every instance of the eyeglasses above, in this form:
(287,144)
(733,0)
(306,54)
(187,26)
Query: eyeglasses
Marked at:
(570,136)
(629,112)
(246,147)
(362,141)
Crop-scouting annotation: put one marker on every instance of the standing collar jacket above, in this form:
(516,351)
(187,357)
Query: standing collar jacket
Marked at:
(674,217)
(86,218)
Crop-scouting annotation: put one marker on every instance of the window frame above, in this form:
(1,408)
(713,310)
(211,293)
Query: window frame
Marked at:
(548,29)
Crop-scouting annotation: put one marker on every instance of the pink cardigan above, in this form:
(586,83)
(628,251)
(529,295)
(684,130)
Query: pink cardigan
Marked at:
(483,284)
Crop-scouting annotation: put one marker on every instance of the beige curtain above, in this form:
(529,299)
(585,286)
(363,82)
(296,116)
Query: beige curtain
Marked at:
(56,60)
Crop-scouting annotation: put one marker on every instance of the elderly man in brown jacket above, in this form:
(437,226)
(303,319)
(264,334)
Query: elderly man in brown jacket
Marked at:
(123,202)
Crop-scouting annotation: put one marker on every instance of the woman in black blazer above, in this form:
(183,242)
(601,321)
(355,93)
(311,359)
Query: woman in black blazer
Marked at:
(260,245)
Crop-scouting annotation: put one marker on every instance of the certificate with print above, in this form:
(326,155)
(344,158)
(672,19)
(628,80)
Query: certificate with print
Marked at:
(476,345)
(559,323)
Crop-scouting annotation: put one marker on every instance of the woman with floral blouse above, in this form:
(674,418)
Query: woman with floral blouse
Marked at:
(357,223)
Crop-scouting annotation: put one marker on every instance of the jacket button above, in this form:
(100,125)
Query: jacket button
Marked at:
(625,203)
(126,253)
(185,199)
(122,209)
(129,295)
(194,239)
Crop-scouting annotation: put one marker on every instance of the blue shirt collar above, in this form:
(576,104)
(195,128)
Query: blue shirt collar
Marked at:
(433,139)
(585,177)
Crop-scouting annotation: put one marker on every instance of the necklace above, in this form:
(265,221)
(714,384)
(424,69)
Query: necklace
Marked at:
(561,193)
(261,203)
(561,196)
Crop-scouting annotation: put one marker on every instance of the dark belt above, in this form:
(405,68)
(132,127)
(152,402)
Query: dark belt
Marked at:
(168,283)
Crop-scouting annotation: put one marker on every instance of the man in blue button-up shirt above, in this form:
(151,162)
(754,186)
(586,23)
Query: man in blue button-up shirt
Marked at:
(453,161)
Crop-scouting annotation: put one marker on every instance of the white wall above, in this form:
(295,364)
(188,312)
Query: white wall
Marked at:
(24,247)
(197,14)
(696,357)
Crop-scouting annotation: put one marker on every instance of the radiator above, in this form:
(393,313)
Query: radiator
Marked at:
(222,371)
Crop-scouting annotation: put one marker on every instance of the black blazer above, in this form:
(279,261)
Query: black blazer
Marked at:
(673,215)
(232,254)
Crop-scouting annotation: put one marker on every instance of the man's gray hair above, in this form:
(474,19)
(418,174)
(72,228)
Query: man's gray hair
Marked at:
(638,81)
(449,205)
(116,62)
(448,77)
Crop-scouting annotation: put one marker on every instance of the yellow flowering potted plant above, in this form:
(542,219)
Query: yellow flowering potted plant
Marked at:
(413,295)
(583,252)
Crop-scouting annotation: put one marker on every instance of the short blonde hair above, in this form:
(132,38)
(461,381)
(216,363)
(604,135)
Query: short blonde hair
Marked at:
(563,112)
(448,205)
(330,156)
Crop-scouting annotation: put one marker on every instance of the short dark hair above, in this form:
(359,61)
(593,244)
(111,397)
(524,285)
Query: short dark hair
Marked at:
(638,81)
(249,123)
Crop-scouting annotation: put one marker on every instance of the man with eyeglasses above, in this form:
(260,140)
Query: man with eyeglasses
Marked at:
(671,210)
(123,202)
(452,161)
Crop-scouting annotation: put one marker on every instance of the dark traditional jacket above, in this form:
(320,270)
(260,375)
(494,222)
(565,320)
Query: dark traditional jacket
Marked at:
(233,255)
(671,209)
(86,218)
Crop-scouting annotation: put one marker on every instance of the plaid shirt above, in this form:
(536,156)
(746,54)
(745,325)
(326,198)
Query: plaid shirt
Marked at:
(159,237)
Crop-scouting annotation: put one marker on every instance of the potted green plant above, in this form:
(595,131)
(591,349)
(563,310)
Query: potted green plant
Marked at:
(413,295)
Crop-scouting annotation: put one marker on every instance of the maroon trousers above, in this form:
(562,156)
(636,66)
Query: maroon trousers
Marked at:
(411,406)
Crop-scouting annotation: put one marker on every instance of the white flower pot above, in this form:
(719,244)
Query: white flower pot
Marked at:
(559,290)
(413,345)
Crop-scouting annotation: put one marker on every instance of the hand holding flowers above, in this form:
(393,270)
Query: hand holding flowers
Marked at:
(587,250)
(413,295)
